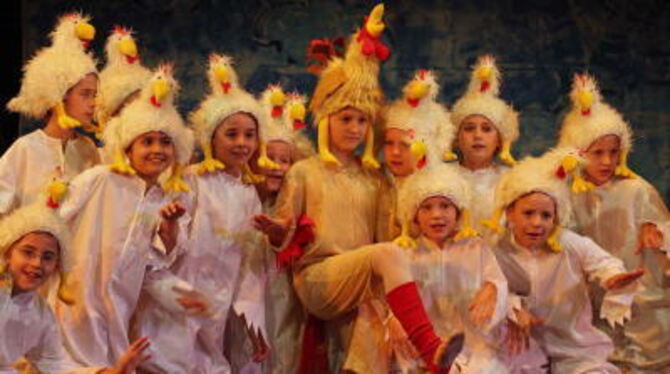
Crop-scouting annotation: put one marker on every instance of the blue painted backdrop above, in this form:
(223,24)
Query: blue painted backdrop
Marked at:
(539,45)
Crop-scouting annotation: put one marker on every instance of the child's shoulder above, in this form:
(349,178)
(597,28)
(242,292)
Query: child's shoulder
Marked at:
(573,243)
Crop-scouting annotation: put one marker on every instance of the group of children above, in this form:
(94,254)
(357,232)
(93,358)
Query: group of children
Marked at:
(271,255)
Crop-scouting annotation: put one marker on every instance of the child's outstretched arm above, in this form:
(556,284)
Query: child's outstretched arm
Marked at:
(131,359)
(169,226)
(483,305)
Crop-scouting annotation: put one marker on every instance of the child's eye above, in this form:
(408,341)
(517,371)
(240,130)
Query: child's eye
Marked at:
(166,140)
(49,256)
(546,216)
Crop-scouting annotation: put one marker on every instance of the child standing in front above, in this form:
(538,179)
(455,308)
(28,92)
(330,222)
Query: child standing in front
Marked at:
(114,213)
(625,215)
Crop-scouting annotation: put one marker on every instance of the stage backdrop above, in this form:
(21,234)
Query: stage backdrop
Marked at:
(539,46)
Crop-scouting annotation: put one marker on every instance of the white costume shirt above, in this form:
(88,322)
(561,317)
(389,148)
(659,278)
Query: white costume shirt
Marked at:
(30,329)
(482,187)
(225,260)
(555,288)
(613,214)
(30,163)
(113,219)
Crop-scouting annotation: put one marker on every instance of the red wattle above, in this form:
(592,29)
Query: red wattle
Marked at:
(560,172)
(413,102)
(155,102)
(52,204)
(421,163)
(86,43)
(131,59)
(226,87)
(485,86)
(586,112)
(298,125)
(277,111)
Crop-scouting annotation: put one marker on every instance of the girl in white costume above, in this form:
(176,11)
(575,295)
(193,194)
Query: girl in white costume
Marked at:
(225,257)
(549,267)
(486,126)
(339,192)
(31,241)
(59,86)
(625,215)
(285,145)
(113,213)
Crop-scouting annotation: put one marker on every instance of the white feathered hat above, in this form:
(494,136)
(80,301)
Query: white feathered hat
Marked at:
(154,110)
(286,113)
(590,118)
(226,97)
(427,122)
(482,98)
(122,76)
(55,69)
(437,179)
(545,174)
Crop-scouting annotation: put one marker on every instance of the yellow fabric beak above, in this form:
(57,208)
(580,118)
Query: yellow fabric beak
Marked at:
(375,25)
(84,31)
(298,111)
(160,90)
(128,47)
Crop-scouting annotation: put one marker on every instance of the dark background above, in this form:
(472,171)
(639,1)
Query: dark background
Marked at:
(539,46)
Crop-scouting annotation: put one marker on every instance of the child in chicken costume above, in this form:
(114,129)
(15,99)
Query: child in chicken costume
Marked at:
(547,266)
(285,145)
(334,196)
(125,224)
(486,126)
(625,215)
(122,78)
(58,78)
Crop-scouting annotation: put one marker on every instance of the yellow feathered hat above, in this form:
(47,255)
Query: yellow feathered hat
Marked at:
(55,69)
(122,76)
(226,98)
(437,179)
(353,82)
(154,110)
(590,118)
(425,120)
(482,98)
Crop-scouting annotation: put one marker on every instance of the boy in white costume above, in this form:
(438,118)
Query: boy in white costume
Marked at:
(460,281)
(486,126)
(225,257)
(32,240)
(549,267)
(113,213)
(625,215)
(337,192)
(59,87)
(285,145)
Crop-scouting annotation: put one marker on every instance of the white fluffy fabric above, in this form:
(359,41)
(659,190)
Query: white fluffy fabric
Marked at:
(219,105)
(437,180)
(32,218)
(428,121)
(487,103)
(581,128)
(536,174)
(120,78)
(141,116)
(53,70)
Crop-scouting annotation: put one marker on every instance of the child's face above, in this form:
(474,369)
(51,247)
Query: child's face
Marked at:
(150,154)
(532,218)
(279,152)
(79,100)
(397,152)
(235,140)
(31,260)
(602,158)
(478,139)
(347,129)
(437,218)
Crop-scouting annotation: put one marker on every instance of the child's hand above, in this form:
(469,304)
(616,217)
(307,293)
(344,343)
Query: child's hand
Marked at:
(400,341)
(275,228)
(172,211)
(517,338)
(623,279)
(483,305)
(133,357)
(650,237)
(193,302)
